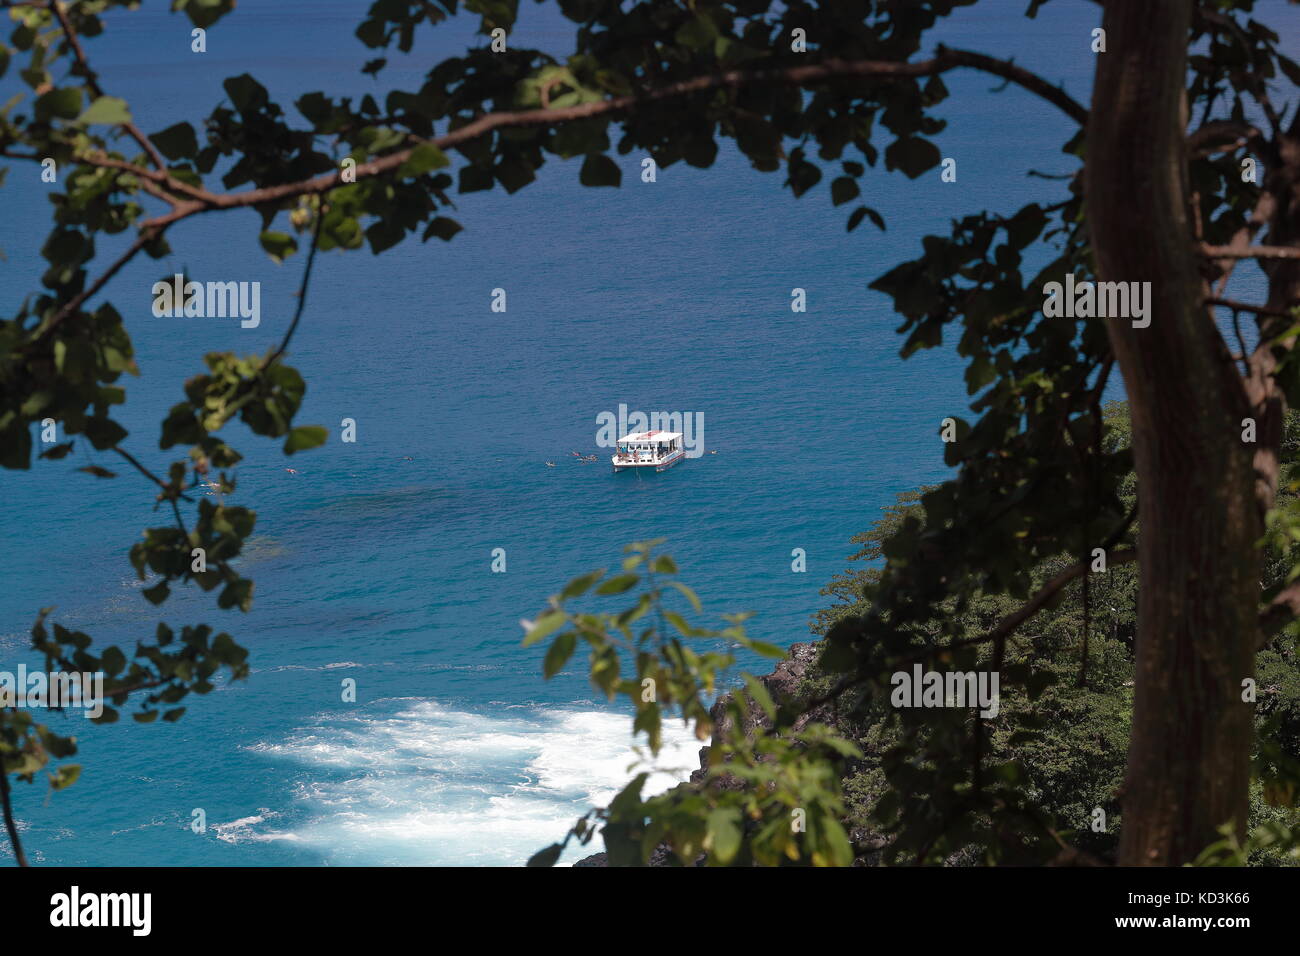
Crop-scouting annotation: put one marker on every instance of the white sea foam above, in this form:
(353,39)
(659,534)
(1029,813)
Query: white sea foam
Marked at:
(242,830)
(428,785)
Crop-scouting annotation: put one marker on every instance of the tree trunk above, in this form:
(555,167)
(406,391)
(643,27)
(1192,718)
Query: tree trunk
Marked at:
(1188,760)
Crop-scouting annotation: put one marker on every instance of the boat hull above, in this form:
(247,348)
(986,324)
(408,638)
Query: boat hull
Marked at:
(663,465)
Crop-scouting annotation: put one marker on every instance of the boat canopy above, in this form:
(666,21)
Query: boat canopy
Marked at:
(649,438)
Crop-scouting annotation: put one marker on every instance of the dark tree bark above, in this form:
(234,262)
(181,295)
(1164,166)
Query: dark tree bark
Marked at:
(1188,761)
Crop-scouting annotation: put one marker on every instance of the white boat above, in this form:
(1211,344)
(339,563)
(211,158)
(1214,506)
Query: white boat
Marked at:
(656,449)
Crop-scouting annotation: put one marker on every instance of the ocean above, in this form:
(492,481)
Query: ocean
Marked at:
(374,560)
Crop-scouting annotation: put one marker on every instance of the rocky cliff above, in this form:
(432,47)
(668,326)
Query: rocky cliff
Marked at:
(783,684)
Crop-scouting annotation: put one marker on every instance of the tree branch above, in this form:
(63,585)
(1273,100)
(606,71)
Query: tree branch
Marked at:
(1259,217)
(1018,75)
(162,179)
(10,825)
(146,472)
(92,81)
(302,290)
(1250,252)
(1220,135)
(147,235)
(204,201)
(1280,612)
(1007,626)
(1247,307)
(944,60)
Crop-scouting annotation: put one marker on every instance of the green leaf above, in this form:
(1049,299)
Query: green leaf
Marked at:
(559,653)
(663,564)
(599,170)
(690,594)
(64,104)
(475,179)
(304,437)
(245,93)
(912,155)
(280,245)
(112,661)
(767,650)
(443,228)
(1026,225)
(514,174)
(204,13)
(546,857)
(700,151)
(618,584)
(844,189)
(104,432)
(547,623)
(837,841)
(98,472)
(697,33)
(679,622)
(582,584)
(803,175)
(423,158)
(177,142)
(1289,67)
(65,776)
(107,110)
(759,695)
(862,212)
(724,833)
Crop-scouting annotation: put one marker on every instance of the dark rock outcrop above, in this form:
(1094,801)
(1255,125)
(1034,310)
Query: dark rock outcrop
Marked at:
(783,685)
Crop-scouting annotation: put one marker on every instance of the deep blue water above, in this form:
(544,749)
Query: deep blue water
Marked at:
(670,296)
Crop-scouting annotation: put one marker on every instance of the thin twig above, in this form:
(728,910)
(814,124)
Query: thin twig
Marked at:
(92,81)
(1211,137)
(302,290)
(1247,307)
(204,201)
(146,472)
(1241,341)
(10,825)
(102,160)
(1005,627)
(1029,609)
(1251,252)
(943,61)
(147,235)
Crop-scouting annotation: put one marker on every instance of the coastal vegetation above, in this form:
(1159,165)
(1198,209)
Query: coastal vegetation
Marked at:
(1046,786)
(1184,164)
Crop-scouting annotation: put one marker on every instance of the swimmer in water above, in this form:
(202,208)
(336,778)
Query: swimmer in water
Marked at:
(550,464)
(291,471)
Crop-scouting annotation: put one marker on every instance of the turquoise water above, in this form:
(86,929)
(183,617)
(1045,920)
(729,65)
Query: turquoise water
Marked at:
(373,562)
